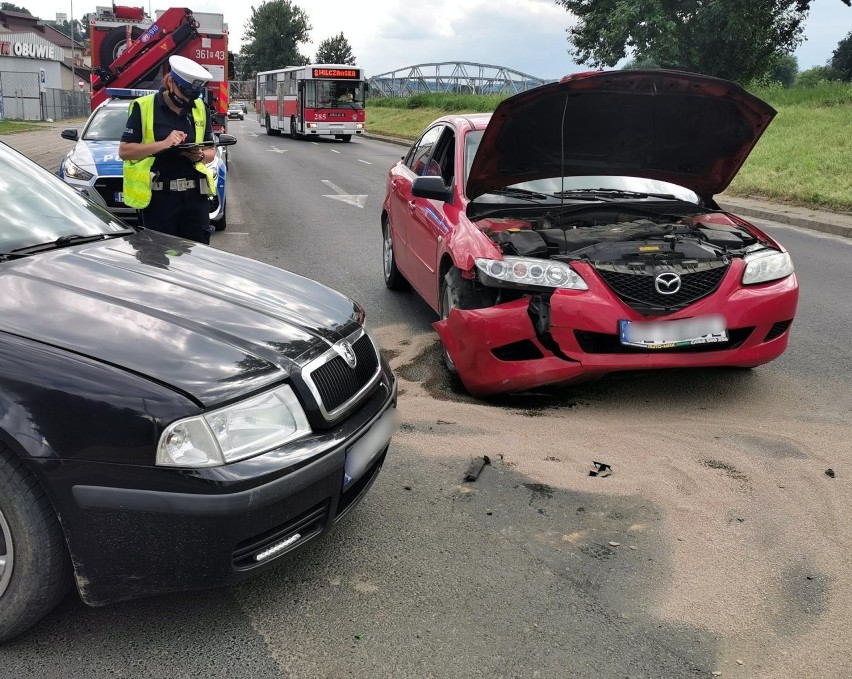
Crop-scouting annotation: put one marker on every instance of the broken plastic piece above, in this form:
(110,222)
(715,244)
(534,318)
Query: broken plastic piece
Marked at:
(476,467)
(601,469)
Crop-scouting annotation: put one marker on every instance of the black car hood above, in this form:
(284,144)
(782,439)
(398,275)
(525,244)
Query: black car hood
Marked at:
(205,322)
(687,129)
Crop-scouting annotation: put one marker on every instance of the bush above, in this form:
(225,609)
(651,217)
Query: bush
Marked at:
(817,75)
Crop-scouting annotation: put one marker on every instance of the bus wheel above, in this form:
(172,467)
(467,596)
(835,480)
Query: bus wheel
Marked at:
(269,129)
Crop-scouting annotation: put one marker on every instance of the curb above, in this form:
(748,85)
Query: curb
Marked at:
(826,223)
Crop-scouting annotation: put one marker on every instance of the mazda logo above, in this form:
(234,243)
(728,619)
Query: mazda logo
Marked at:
(667,283)
(347,353)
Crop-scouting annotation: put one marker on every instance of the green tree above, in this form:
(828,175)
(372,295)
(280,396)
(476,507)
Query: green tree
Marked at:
(816,75)
(336,50)
(784,71)
(841,58)
(734,39)
(80,31)
(9,7)
(273,33)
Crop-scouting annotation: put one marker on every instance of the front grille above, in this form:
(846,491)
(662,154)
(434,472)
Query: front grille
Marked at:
(777,330)
(636,287)
(108,187)
(306,526)
(604,343)
(336,382)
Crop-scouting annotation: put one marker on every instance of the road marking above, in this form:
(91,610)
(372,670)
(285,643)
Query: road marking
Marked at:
(234,233)
(315,143)
(254,134)
(364,161)
(334,151)
(275,149)
(343,197)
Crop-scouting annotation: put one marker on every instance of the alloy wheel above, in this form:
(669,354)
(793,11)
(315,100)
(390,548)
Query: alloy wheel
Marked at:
(7,554)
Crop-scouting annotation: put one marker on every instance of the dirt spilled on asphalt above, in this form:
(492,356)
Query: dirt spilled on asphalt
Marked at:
(756,533)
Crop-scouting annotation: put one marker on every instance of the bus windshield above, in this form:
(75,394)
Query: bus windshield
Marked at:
(334,94)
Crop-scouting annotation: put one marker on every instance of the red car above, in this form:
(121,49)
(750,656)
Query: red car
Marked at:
(573,232)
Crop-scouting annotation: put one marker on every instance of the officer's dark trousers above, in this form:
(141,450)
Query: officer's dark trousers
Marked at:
(179,213)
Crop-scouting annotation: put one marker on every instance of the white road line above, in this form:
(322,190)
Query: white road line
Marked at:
(334,187)
(234,233)
(364,161)
(333,151)
(315,143)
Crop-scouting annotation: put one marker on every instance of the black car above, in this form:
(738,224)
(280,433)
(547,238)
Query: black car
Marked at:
(172,416)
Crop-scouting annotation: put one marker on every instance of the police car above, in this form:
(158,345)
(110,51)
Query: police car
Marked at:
(93,166)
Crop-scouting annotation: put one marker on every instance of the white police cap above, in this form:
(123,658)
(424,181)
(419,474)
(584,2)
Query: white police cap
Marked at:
(188,74)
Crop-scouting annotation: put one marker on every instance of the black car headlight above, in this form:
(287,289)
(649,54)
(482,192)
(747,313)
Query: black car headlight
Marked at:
(234,432)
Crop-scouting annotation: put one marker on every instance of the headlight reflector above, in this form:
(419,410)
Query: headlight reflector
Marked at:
(529,271)
(766,265)
(75,172)
(235,432)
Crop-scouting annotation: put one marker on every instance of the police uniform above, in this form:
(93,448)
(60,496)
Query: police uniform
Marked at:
(179,203)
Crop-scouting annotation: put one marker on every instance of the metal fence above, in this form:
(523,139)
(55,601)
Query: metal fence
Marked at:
(241,90)
(22,99)
(61,104)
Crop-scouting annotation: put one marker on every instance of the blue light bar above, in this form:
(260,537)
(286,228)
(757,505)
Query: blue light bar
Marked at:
(126,92)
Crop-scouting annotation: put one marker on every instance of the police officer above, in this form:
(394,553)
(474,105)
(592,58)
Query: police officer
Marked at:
(170,186)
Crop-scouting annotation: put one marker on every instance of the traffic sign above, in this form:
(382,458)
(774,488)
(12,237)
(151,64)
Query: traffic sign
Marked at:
(81,84)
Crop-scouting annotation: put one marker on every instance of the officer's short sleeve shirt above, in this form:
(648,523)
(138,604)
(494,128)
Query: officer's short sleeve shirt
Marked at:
(169,164)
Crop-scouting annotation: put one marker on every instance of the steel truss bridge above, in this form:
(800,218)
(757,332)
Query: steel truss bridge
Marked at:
(456,77)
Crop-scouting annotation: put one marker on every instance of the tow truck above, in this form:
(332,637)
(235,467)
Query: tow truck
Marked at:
(129,50)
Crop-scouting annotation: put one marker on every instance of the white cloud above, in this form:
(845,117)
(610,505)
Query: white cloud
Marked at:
(523,35)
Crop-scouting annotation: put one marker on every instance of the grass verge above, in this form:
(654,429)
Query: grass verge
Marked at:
(10,126)
(803,158)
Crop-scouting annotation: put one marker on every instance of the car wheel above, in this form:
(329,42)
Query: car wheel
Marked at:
(34,566)
(449,299)
(222,223)
(394,279)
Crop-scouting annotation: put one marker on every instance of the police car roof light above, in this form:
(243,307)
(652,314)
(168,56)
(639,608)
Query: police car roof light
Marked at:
(126,92)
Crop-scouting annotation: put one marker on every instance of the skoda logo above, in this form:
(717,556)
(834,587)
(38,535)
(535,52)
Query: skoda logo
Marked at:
(347,353)
(667,283)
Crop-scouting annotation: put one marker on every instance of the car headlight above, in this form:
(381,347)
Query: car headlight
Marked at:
(75,172)
(235,432)
(766,265)
(523,271)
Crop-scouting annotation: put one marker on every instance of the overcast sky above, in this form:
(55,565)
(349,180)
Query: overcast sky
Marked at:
(523,35)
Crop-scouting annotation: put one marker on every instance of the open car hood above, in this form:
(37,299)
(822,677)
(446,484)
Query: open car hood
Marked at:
(687,129)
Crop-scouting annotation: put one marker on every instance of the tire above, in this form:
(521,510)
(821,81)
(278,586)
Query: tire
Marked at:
(293,133)
(36,570)
(222,223)
(346,137)
(449,299)
(113,44)
(269,130)
(394,279)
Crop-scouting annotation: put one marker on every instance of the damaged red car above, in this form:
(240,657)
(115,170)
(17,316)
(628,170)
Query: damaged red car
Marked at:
(573,233)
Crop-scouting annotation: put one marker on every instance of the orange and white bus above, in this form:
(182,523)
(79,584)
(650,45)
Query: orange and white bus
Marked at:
(312,100)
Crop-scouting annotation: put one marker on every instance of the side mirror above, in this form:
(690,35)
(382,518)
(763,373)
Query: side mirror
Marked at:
(69,133)
(431,187)
(226,140)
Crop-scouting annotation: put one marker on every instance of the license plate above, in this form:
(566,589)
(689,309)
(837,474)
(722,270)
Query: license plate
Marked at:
(672,334)
(361,454)
(119,197)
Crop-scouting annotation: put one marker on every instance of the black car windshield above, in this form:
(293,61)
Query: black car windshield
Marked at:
(106,124)
(38,207)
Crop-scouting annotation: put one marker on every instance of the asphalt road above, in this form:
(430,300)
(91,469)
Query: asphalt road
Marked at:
(718,544)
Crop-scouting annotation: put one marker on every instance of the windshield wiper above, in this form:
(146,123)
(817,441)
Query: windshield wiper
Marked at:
(614,192)
(70,239)
(520,193)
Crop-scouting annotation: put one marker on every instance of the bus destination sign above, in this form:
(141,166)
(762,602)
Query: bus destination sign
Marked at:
(341,73)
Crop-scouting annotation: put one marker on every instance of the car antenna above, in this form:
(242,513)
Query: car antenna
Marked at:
(562,155)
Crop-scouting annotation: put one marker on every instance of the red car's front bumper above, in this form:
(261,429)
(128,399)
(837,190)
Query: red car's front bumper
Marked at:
(497,349)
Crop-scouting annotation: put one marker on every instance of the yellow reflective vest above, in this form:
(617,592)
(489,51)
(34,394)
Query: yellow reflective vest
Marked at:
(137,173)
